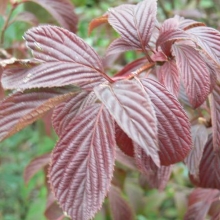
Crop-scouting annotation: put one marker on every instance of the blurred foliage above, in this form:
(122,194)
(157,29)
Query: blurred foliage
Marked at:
(27,202)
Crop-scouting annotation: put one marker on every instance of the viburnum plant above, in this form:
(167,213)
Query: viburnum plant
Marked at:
(135,116)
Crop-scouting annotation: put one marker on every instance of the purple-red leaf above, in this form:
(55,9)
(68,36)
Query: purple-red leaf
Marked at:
(62,11)
(199,136)
(119,207)
(168,75)
(119,46)
(209,40)
(83,161)
(35,165)
(209,170)
(199,203)
(135,23)
(63,113)
(170,31)
(157,177)
(21,109)
(27,17)
(96,22)
(123,141)
(194,72)
(68,60)
(215,112)
(173,125)
(132,109)
(50,74)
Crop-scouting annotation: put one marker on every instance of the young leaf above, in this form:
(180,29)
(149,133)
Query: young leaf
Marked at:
(209,172)
(199,203)
(62,11)
(135,23)
(96,22)
(199,136)
(119,207)
(174,137)
(194,72)
(35,165)
(83,161)
(119,46)
(63,113)
(209,40)
(168,75)
(157,177)
(170,31)
(21,109)
(215,111)
(132,109)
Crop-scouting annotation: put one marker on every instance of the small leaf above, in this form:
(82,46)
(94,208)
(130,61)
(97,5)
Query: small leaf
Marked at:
(132,109)
(35,165)
(215,112)
(119,46)
(157,177)
(170,31)
(62,11)
(119,207)
(135,23)
(199,136)
(82,163)
(209,40)
(168,75)
(96,22)
(199,203)
(21,109)
(194,72)
(174,137)
(209,170)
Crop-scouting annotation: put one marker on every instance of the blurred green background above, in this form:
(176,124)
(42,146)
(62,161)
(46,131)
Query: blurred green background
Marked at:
(27,202)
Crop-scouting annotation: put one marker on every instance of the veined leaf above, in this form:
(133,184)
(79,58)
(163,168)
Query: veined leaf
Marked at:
(173,125)
(209,40)
(215,112)
(157,177)
(199,203)
(21,109)
(62,11)
(64,112)
(199,136)
(119,46)
(170,31)
(64,55)
(135,23)
(50,74)
(119,207)
(83,161)
(132,109)
(209,170)
(168,75)
(194,72)
(35,165)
